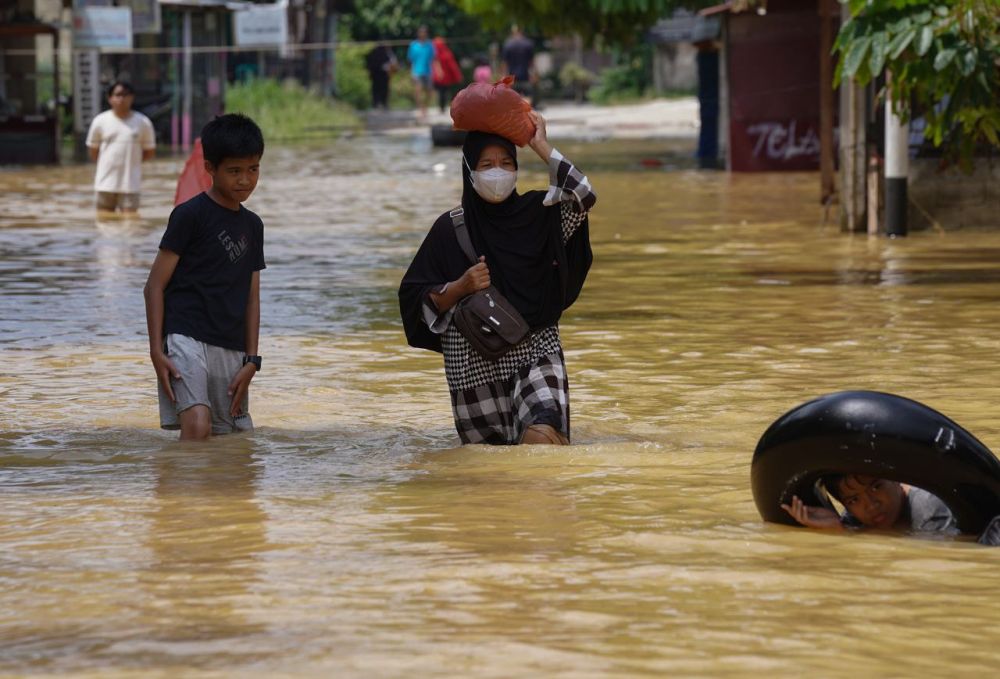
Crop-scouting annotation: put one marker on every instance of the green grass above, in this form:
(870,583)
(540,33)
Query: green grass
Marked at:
(287,112)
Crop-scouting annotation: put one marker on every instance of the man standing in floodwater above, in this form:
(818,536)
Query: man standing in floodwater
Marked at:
(519,61)
(421,56)
(381,64)
(119,140)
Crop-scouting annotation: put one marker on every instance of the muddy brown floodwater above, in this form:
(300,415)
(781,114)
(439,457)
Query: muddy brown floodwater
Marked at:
(350,535)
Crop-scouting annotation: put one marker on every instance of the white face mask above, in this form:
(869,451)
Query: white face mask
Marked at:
(495,184)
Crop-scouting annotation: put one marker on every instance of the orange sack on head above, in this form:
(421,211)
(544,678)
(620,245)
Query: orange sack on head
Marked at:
(496,109)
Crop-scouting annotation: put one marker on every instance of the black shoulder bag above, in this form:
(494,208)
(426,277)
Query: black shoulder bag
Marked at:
(485,318)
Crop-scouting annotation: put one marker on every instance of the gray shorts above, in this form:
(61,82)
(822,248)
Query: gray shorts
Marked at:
(206,371)
(109,201)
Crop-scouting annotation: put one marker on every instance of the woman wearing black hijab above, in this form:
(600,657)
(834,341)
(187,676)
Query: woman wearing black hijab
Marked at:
(535,248)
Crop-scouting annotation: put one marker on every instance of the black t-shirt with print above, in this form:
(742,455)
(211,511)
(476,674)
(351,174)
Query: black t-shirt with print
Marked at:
(219,250)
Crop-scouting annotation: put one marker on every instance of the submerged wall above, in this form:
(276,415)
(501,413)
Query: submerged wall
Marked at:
(951,198)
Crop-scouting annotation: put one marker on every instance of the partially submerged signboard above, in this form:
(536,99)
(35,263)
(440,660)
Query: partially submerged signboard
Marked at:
(102,27)
(261,26)
(94,28)
(145,15)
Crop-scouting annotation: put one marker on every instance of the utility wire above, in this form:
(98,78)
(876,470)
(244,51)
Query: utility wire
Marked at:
(215,49)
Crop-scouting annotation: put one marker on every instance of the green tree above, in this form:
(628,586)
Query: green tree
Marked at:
(400,19)
(618,26)
(942,59)
(617,22)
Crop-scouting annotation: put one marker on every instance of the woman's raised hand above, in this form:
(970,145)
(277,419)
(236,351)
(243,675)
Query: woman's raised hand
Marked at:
(476,277)
(540,142)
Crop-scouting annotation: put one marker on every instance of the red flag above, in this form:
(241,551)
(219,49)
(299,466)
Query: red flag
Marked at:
(194,179)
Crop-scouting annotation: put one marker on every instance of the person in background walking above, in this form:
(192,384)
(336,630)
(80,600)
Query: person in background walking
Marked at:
(421,55)
(446,73)
(518,56)
(381,64)
(119,140)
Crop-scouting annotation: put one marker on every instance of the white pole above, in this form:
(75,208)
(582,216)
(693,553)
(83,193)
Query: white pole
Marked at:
(897,166)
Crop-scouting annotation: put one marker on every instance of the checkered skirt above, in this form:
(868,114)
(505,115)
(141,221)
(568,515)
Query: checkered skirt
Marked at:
(499,412)
(465,368)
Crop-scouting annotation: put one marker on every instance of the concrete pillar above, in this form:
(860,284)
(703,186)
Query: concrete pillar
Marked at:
(853,142)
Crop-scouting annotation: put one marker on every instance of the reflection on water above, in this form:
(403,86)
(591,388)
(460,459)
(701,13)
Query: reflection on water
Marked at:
(350,535)
(206,534)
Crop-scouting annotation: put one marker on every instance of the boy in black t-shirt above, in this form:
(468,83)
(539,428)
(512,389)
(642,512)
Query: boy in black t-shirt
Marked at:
(203,291)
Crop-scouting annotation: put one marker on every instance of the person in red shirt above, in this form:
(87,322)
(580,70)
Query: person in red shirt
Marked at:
(445,72)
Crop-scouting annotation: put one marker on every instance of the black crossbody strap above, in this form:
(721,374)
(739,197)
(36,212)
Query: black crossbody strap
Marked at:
(462,233)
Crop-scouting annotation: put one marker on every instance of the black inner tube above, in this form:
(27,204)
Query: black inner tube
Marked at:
(874,434)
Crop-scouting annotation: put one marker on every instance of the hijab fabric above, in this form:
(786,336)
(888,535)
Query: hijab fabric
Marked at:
(519,237)
(522,241)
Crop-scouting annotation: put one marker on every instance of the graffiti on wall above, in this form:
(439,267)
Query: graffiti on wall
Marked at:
(775,144)
(783,141)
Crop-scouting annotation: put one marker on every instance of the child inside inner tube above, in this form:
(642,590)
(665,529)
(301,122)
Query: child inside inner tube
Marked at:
(871,502)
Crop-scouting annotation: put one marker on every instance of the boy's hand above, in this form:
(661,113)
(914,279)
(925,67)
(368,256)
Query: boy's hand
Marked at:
(165,369)
(813,517)
(239,386)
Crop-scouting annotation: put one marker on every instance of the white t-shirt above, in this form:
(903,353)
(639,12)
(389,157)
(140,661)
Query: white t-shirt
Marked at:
(120,144)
